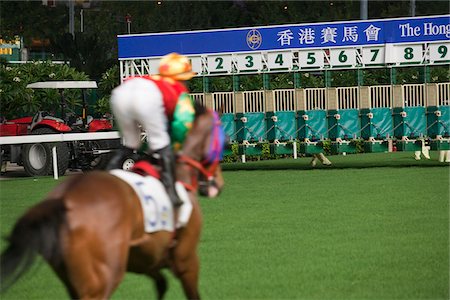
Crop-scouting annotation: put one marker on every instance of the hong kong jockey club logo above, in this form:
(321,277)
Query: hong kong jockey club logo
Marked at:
(254,39)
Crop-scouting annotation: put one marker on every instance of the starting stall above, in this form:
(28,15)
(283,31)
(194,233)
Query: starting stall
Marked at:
(438,116)
(312,121)
(224,102)
(251,123)
(376,120)
(343,122)
(281,122)
(410,123)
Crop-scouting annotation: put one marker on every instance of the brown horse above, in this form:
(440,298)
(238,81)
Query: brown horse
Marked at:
(90,228)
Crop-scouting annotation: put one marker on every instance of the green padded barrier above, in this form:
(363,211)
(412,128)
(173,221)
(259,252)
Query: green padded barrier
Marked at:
(344,146)
(254,130)
(412,125)
(229,126)
(411,145)
(282,149)
(250,150)
(281,126)
(379,126)
(347,127)
(315,127)
(311,147)
(376,146)
(440,145)
(438,121)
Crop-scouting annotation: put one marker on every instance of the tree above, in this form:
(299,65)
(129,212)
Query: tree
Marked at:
(85,52)
(95,49)
(17,100)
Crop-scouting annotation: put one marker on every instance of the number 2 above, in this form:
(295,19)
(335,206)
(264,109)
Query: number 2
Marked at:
(219,61)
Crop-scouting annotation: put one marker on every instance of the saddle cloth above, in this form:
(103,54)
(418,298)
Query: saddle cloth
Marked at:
(155,203)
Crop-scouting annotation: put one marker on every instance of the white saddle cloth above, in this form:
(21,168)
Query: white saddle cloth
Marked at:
(156,205)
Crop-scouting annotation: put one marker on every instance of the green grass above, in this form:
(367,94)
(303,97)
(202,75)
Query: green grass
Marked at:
(372,226)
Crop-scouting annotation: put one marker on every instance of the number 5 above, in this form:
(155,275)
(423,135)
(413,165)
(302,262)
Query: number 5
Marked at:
(311,59)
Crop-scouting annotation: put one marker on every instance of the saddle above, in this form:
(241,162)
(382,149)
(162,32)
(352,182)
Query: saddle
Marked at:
(145,168)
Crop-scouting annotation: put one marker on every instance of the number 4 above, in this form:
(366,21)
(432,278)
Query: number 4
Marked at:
(279,59)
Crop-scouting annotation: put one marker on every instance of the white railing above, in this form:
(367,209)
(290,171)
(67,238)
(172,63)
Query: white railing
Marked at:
(315,98)
(61,137)
(284,100)
(413,95)
(443,93)
(380,96)
(224,101)
(253,101)
(347,97)
(199,98)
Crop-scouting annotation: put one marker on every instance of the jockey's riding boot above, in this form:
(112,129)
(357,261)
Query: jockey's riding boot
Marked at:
(167,164)
(118,158)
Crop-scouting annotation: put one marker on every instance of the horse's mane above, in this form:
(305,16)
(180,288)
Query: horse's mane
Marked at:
(199,109)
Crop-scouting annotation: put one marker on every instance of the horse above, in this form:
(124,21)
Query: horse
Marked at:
(90,228)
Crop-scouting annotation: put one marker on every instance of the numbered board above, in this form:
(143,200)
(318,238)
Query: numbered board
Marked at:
(373,56)
(219,64)
(439,52)
(153,66)
(408,54)
(196,63)
(311,59)
(279,61)
(343,57)
(249,62)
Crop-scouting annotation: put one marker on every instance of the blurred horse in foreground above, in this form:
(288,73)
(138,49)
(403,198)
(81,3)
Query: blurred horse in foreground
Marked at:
(94,227)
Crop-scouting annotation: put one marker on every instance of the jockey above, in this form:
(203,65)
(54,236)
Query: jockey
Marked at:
(162,106)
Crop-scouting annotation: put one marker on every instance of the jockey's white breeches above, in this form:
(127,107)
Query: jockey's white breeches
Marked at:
(139,101)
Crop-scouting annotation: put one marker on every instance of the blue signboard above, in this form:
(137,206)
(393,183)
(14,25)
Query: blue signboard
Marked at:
(287,37)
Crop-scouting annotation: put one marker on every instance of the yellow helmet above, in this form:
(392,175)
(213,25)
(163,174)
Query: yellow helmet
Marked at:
(176,66)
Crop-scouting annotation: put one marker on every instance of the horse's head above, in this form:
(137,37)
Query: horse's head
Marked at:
(198,162)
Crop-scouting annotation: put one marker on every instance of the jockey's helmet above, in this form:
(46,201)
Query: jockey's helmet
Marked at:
(176,66)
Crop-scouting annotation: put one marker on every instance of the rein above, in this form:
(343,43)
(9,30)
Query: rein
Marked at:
(207,172)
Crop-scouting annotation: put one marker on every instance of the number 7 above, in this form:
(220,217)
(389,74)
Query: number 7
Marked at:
(374,54)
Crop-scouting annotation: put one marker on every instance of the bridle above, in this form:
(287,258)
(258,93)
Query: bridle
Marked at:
(209,165)
(207,171)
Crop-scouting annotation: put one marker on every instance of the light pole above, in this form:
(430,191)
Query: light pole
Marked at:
(81,21)
(363,10)
(128,21)
(412,8)
(72,18)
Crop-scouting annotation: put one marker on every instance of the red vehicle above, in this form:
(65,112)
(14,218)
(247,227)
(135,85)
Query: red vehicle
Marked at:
(37,158)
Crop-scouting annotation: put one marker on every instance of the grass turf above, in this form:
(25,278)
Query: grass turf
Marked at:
(372,226)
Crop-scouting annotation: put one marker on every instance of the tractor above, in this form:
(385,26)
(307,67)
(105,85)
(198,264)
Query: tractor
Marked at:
(36,158)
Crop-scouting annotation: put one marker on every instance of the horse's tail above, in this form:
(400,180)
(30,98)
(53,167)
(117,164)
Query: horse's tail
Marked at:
(38,231)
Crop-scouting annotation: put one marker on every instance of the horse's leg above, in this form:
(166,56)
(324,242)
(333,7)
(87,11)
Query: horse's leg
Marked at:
(94,267)
(61,271)
(186,268)
(160,284)
(185,261)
